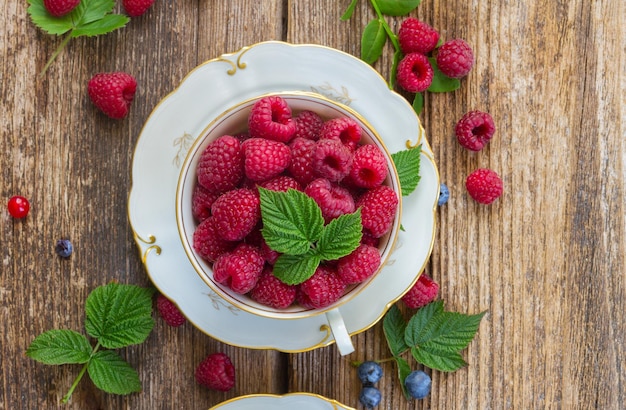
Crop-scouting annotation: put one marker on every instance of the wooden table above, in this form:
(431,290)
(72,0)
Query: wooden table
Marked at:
(546,260)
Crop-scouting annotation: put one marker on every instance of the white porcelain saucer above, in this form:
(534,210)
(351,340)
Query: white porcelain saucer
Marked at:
(300,401)
(202,96)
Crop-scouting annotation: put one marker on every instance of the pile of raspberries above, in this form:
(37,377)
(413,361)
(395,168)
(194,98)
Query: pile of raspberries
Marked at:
(279,150)
(418,41)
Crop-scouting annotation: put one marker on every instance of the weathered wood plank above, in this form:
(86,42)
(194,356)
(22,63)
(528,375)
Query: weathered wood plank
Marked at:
(546,260)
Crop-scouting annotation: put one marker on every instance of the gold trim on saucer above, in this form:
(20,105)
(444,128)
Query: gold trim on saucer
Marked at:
(217,301)
(183,143)
(336,405)
(150,241)
(234,65)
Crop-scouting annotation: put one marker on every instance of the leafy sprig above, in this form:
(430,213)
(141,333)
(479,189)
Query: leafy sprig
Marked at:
(117,316)
(90,18)
(376,34)
(434,337)
(293,225)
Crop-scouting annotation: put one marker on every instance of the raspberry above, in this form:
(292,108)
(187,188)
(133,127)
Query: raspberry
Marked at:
(236,213)
(322,289)
(369,167)
(135,8)
(332,199)
(378,210)
(265,159)
(256,238)
(422,293)
(484,185)
(216,372)
(301,167)
(368,239)
(343,129)
(271,291)
(64,248)
(239,269)
(208,243)
(60,8)
(201,201)
(282,183)
(415,36)
(169,311)
(270,118)
(308,125)
(269,254)
(112,93)
(415,74)
(455,58)
(242,136)
(474,130)
(361,264)
(18,206)
(220,167)
(332,159)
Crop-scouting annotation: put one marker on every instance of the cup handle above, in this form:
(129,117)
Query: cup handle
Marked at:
(340,333)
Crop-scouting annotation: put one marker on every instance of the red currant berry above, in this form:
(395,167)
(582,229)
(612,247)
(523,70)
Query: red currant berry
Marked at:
(18,206)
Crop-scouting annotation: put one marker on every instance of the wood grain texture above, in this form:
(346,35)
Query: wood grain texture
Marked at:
(546,261)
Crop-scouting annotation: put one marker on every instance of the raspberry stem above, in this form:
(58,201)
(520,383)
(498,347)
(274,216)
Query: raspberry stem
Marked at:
(357,363)
(56,54)
(78,378)
(397,55)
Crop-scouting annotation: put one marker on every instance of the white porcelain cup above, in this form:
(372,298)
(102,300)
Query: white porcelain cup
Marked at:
(234,121)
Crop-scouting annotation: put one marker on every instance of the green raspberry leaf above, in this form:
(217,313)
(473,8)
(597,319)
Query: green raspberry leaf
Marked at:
(47,22)
(418,103)
(407,164)
(436,337)
(443,360)
(92,10)
(111,373)
(341,236)
(87,13)
(292,221)
(295,269)
(119,315)
(397,7)
(60,346)
(349,11)
(403,371)
(420,320)
(372,41)
(89,18)
(105,25)
(394,327)
(441,82)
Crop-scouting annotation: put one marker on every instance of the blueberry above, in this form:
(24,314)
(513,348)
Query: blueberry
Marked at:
(370,372)
(64,248)
(418,384)
(444,194)
(370,396)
